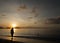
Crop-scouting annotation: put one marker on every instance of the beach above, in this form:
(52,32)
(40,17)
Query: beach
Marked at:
(8,41)
(29,36)
(23,39)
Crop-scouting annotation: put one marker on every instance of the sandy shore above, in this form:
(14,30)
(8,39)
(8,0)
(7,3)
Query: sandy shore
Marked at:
(28,39)
(8,41)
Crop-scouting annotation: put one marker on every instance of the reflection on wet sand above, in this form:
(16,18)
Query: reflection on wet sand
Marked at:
(25,40)
(11,39)
(8,41)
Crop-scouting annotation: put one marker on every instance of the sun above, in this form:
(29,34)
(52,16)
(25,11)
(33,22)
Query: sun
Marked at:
(13,25)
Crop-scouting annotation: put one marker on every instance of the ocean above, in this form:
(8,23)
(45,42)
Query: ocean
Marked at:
(38,32)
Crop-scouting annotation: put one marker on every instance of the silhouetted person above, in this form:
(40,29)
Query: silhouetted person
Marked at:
(12,32)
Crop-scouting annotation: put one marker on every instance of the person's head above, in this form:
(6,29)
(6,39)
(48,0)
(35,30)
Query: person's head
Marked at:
(12,28)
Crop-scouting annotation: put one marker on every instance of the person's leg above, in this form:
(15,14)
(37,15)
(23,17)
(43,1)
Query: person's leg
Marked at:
(12,35)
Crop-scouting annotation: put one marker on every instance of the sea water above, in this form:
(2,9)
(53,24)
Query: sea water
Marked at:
(39,32)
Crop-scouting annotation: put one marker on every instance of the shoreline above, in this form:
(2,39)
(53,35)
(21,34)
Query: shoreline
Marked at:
(8,41)
(37,38)
(24,39)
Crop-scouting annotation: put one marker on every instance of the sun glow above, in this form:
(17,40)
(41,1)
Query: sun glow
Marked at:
(13,25)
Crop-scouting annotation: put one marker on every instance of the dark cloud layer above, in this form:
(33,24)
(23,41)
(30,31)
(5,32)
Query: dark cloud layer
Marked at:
(53,20)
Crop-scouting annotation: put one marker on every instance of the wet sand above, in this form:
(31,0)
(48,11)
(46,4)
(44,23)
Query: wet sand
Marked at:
(8,41)
(24,39)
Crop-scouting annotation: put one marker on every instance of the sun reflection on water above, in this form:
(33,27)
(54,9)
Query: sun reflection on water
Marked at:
(14,30)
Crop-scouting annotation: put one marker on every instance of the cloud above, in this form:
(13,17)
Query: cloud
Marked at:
(53,20)
(3,15)
(22,7)
(30,17)
(18,9)
(34,9)
(35,22)
(36,15)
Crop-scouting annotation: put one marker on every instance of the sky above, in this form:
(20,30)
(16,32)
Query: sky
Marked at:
(30,13)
